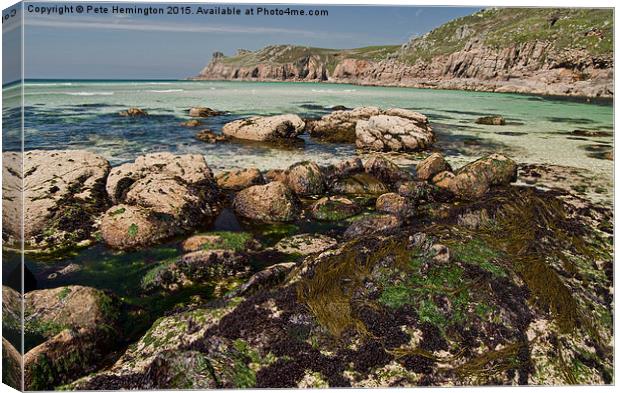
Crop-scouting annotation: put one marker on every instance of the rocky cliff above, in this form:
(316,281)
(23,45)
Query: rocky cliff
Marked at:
(542,51)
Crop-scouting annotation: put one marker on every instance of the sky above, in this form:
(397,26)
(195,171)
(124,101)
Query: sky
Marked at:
(115,46)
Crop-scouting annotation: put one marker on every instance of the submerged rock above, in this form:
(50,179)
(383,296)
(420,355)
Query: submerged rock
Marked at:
(305,178)
(209,136)
(237,241)
(491,120)
(158,196)
(272,202)
(265,128)
(133,112)
(79,325)
(63,193)
(334,208)
(305,244)
(202,111)
(239,179)
(431,166)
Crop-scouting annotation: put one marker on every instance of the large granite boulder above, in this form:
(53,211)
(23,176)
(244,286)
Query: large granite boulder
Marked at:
(78,326)
(157,196)
(399,131)
(339,126)
(265,128)
(271,202)
(63,191)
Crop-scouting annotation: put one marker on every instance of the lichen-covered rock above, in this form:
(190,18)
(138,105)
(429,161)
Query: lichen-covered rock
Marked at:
(158,196)
(239,179)
(431,166)
(202,111)
(11,365)
(334,208)
(400,131)
(265,128)
(386,171)
(491,120)
(305,178)
(373,224)
(305,244)
(133,112)
(271,202)
(359,184)
(198,267)
(209,136)
(476,178)
(393,203)
(79,326)
(237,241)
(63,193)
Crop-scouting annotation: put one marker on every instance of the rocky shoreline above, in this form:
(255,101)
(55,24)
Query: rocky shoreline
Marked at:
(429,276)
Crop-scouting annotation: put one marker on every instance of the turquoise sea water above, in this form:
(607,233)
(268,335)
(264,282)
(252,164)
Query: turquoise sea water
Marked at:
(83,115)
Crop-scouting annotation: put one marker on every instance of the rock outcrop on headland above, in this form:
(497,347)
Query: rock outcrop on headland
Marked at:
(566,52)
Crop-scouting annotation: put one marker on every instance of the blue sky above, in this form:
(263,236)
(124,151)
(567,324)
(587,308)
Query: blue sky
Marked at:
(177,46)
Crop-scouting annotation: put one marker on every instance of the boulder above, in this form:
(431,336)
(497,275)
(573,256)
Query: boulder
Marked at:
(209,136)
(394,133)
(386,171)
(305,244)
(63,191)
(158,196)
(133,112)
(373,224)
(491,120)
(271,202)
(476,178)
(419,192)
(11,365)
(360,184)
(197,268)
(237,241)
(339,126)
(432,165)
(334,208)
(265,128)
(80,325)
(276,175)
(239,179)
(265,279)
(305,178)
(11,312)
(343,169)
(202,111)
(392,203)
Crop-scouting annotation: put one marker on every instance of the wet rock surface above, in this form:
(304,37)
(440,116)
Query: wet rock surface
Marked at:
(240,179)
(270,202)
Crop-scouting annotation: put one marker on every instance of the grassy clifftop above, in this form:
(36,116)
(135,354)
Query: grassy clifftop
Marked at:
(589,29)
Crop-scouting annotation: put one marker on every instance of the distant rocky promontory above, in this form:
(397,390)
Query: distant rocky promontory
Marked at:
(563,52)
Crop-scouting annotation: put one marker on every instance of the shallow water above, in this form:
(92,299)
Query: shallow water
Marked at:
(76,114)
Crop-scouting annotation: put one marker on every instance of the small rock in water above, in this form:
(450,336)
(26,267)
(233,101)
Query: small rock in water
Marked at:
(133,112)
(202,111)
(191,123)
(491,120)
(209,136)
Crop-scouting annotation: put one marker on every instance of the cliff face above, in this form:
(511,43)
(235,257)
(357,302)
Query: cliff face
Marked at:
(541,51)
